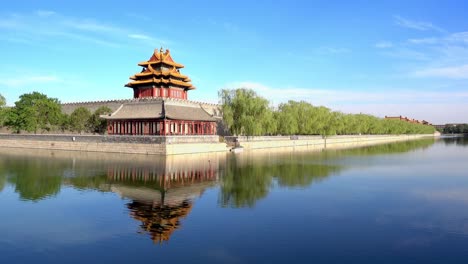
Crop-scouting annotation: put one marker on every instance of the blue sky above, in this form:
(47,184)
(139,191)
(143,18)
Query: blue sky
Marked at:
(399,57)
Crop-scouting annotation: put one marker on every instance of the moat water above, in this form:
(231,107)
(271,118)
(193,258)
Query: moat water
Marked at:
(404,202)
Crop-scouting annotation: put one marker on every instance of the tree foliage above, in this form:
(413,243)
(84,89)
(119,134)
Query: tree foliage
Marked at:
(79,120)
(96,123)
(3,110)
(456,129)
(246,113)
(2,101)
(34,112)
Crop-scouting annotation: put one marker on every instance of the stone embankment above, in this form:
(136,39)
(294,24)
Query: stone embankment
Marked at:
(319,142)
(170,145)
(151,145)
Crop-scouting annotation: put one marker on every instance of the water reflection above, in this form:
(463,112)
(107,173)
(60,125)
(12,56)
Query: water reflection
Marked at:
(162,194)
(455,140)
(249,178)
(160,191)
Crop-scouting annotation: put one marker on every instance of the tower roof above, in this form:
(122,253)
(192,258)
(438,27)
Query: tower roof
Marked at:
(160,70)
(161,57)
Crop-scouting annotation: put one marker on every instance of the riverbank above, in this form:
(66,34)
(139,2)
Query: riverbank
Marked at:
(310,143)
(173,145)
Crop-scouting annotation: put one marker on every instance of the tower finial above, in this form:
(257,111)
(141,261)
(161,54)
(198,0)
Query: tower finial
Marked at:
(161,50)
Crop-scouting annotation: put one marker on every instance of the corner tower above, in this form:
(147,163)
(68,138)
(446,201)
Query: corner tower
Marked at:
(160,77)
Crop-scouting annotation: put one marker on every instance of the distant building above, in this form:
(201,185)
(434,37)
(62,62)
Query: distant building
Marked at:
(409,120)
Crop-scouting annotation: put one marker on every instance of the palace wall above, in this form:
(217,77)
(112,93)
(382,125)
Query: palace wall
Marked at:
(212,109)
(68,108)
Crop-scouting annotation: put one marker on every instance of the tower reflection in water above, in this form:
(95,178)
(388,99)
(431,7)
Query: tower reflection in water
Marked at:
(162,194)
(160,190)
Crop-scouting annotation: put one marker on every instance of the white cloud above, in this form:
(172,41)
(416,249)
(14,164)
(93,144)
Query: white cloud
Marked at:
(28,80)
(45,13)
(91,25)
(417,25)
(384,45)
(454,38)
(454,72)
(424,41)
(49,25)
(139,36)
(327,96)
(459,37)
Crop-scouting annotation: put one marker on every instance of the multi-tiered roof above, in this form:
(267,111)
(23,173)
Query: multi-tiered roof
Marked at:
(160,71)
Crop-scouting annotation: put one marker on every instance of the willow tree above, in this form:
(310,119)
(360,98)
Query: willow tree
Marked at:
(246,113)
(2,101)
(3,110)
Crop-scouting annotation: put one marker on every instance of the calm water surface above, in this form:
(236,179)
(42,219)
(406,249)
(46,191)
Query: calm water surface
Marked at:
(398,203)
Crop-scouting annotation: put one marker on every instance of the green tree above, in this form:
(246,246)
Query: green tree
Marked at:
(2,101)
(96,123)
(246,113)
(3,110)
(79,120)
(34,112)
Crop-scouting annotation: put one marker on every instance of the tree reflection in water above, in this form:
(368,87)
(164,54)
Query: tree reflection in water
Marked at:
(161,190)
(249,178)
